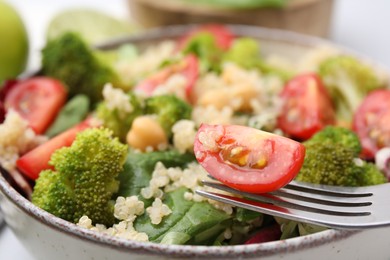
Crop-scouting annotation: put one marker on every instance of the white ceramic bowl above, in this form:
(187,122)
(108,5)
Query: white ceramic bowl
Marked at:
(48,237)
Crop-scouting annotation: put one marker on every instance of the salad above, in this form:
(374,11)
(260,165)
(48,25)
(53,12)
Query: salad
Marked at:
(118,141)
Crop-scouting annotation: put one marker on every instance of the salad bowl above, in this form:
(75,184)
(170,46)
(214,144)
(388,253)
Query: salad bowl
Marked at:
(48,237)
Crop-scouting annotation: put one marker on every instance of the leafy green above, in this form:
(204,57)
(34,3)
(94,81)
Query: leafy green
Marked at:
(74,111)
(139,167)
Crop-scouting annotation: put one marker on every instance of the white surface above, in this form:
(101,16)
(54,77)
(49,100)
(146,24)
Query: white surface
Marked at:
(358,24)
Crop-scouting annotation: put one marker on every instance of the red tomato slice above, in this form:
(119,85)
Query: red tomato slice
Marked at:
(37,160)
(223,36)
(371,122)
(38,100)
(248,159)
(188,67)
(307,107)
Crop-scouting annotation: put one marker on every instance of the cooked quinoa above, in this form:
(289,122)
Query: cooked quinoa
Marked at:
(16,138)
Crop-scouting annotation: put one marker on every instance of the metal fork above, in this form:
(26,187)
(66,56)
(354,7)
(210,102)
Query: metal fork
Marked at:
(334,207)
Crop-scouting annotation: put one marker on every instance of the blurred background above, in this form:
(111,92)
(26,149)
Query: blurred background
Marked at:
(359,25)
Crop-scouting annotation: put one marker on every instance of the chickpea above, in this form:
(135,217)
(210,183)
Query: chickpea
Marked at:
(146,132)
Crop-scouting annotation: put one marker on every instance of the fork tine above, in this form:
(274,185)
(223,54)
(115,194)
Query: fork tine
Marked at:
(331,221)
(336,191)
(322,198)
(322,206)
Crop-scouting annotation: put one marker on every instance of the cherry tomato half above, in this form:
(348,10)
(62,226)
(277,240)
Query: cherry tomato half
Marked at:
(307,107)
(37,160)
(248,159)
(38,100)
(371,122)
(223,36)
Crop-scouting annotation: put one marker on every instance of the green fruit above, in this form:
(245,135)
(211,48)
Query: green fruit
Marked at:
(94,26)
(13,43)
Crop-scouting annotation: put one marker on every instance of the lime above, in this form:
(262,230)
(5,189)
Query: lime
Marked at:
(13,42)
(93,25)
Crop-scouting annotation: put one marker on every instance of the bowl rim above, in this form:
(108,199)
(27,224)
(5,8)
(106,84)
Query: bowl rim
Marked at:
(150,248)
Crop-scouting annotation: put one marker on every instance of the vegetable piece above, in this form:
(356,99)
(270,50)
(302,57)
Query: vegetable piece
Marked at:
(169,109)
(187,67)
(223,36)
(332,159)
(119,118)
(339,135)
(202,222)
(267,234)
(139,167)
(245,52)
(37,160)
(85,71)
(371,122)
(348,81)
(190,222)
(204,46)
(248,159)
(307,107)
(84,178)
(38,100)
(70,115)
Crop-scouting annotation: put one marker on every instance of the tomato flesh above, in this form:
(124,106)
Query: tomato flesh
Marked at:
(188,67)
(223,36)
(371,122)
(307,107)
(248,159)
(37,160)
(37,100)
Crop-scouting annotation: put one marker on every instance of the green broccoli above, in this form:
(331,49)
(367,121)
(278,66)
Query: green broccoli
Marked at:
(341,135)
(84,179)
(348,81)
(117,120)
(85,71)
(169,109)
(203,45)
(332,159)
(371,174)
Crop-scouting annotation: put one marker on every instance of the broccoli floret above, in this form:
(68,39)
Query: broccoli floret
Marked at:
(203,45)
(85,71)
(371,174)
(332,159)
(84,179)
(169,109)
(348,81)
(117,119)
(245,52)
(341,135)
